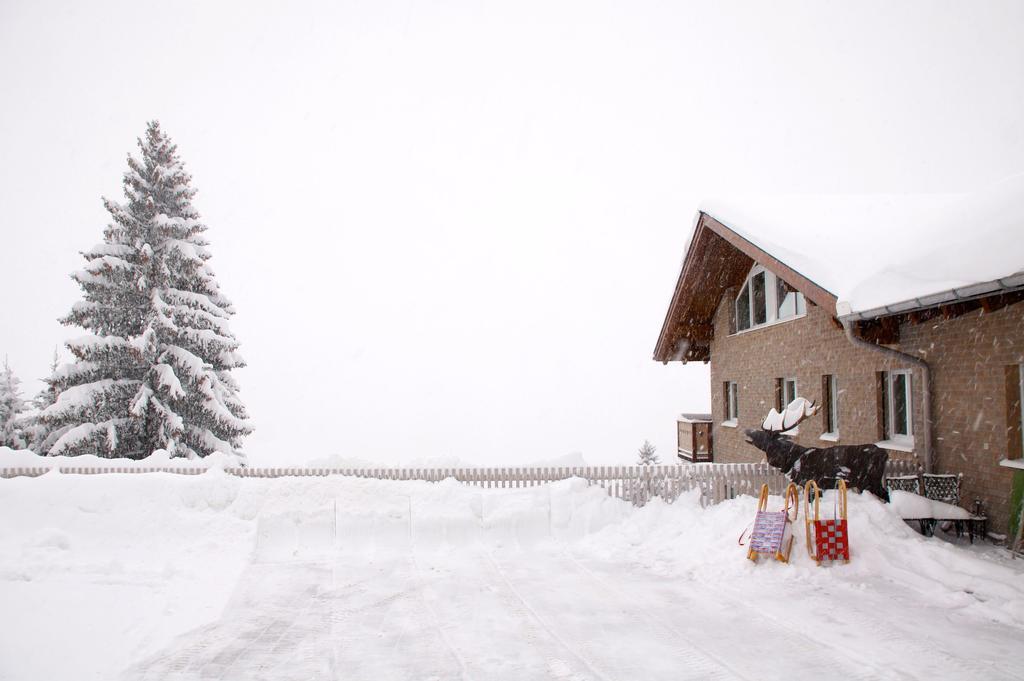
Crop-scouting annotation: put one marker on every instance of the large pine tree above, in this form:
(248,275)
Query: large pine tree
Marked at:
(155,371)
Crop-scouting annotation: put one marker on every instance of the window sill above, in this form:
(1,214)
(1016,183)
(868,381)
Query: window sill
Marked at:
(1012,463)
(896,445)
(730,424)
(829,437)
(768,325)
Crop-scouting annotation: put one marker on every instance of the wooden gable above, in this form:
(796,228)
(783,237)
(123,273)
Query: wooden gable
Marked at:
(717,260)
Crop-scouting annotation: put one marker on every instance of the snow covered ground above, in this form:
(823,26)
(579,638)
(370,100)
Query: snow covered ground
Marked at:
(158,576)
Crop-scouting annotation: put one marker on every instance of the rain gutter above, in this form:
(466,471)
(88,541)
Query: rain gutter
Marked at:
(1008,284)
(926,387)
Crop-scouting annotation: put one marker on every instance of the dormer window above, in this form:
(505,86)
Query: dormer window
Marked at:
(766,299)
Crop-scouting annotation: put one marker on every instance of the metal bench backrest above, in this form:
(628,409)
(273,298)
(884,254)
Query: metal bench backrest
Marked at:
(942,487)
(904,483)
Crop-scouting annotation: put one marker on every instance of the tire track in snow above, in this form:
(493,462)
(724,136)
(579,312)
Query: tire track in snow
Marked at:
(541,622)
(358,638)
(241,643)
(497,636)
(664,623)
(693,663)
(289,655)
(931,662)
(781,635)
(464,670)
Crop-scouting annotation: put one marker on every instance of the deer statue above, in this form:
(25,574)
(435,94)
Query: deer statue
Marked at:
(861,466)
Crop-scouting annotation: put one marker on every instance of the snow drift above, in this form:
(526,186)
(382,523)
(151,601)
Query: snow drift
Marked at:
(138,559)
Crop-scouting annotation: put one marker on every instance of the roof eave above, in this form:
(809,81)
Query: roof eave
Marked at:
(1010,284)
(663,353)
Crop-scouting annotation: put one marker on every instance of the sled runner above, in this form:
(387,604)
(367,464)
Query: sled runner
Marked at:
(826,539)
(773,533)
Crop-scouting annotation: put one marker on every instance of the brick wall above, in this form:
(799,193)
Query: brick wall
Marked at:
(967,354)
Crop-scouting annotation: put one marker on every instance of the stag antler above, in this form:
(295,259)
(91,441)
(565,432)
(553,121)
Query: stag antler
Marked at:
(798,410)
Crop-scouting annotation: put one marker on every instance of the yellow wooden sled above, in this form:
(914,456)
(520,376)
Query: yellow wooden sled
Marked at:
(826,539)
(772,534)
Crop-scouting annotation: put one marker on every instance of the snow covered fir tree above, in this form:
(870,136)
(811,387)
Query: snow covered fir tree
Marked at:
(646,455)
(37,433)
(155,370)
(11,407)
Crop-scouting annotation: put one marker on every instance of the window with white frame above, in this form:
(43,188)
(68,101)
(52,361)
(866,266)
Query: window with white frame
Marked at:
(788,391)
(788,301)
(830,395)
(897,407)
(765,299)
(732,402)
(785,392)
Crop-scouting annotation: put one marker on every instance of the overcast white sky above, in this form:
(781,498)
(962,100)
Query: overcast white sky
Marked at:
(452,229)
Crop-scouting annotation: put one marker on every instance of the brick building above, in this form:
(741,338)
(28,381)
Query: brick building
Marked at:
(903,319)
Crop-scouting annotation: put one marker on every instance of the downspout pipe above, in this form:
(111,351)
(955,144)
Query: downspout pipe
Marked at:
(926,386)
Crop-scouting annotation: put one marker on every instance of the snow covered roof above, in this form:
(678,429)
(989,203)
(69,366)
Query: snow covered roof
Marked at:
(858,256)
(879,254)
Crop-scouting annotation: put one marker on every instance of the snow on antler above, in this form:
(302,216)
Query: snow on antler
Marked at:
(797,411)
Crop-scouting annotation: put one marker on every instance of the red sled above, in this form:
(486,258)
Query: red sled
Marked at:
(826,539)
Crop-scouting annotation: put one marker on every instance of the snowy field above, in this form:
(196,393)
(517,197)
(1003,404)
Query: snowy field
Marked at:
(159,576)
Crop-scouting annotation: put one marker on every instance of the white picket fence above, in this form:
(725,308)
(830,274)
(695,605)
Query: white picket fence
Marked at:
(636,484)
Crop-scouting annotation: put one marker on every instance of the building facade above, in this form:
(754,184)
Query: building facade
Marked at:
(938,384)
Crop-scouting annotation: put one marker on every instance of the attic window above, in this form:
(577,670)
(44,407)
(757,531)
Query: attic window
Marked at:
(766,299)
(789,302)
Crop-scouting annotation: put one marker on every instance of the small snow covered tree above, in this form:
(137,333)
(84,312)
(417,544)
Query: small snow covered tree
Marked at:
(646,455)
(38,435)
(155,371)
(11,406)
